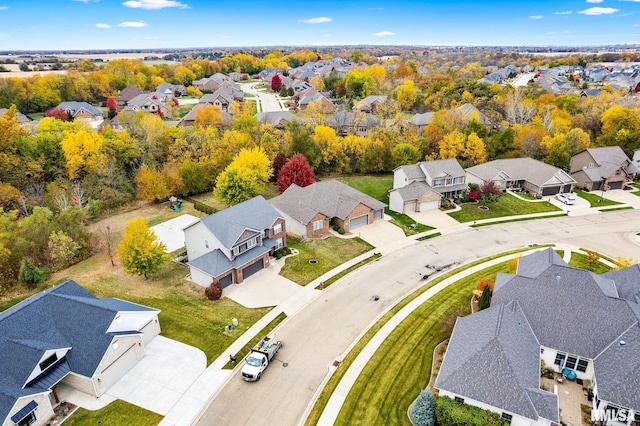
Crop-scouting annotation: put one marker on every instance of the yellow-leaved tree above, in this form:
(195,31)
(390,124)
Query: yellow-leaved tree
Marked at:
(83,154)
(452,144)
(245,177)
(208,116)
(140,252)
(151,185)
(333,156)
(407,95)
(474,151)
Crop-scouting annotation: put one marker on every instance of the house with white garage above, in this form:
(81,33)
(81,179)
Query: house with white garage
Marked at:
(311,211)
(525,174)
(420,187)
(66,335)
(234,243)
(583,325)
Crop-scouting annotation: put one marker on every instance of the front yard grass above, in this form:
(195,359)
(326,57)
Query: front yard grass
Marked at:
(579,260)
(507,205)
(328,252)
(118,413)
(595,199)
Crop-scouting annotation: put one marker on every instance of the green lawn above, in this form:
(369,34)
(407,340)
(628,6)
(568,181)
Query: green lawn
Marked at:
(329,253)
(118,413)
(579,260)
(377,186)
(507,205)
(401,366)
(594,198)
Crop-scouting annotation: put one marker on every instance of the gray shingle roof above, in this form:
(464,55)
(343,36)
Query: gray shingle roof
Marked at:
(215,263)
(421,119)
(331,198)
(66,316)
(230,224)
(627,282)
(528,169)
(609,159)
(415,190)
(275,117)
(442,168)
(20,116)
(493,357)
(74,107)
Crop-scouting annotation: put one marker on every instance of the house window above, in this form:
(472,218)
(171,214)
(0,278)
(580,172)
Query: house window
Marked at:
(571,362)
(560,357)
(317,225)
(459,179)
(48,362)
(206,243)
(438,182)
(277,229)
(449,181)
(506,417)
(28,420)
(582,365)
(279,243)
(458,399)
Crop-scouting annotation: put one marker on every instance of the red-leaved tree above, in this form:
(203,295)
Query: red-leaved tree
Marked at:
(58,113)
(277,165)
(298,171)
(112,107)
(276,83)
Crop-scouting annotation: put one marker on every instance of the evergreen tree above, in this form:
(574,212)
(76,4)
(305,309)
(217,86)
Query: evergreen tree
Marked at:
(485,299)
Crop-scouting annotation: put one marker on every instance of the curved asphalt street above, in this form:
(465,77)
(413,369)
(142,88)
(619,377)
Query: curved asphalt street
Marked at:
(321,333)
(267,101)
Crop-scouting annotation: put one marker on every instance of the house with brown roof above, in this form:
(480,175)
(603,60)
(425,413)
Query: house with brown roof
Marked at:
(370,103)
(602,168)
(526,174)
(83,111)
(127,94)
(325,105)
(352,123)
(278,119)
(190,118)
(312,211)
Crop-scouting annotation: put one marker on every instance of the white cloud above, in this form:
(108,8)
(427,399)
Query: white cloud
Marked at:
(318,20)
(568,12)
(325,36)
(551,33)
(4,7)
(104,26)
(384,33)
(154,4)
(133,24)
(536,17)
(593,11)
(594,1)
(225,36)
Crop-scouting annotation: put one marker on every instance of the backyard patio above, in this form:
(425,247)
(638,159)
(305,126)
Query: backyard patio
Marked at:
(571,397)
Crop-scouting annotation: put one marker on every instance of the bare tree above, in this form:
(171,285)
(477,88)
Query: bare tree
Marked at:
(77,194)
(518,109)
(107,243)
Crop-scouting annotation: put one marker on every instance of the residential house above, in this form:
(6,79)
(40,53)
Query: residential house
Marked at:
(522,174)
(311,211)
(636,158)
(190,118)
(212,83)
(324,103)
(422,186)
(419,122)
(277,119)
(22,119)
(469,112)
(66,335)
(152,103)
(602,168)
(237,76)
(223,97)
(549,312)
(235,243)
(349,123)
(128,93)
(369,104)
(175,90)
(82,111)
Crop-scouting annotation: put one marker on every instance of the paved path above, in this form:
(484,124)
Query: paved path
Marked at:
(266,100)
(322,332)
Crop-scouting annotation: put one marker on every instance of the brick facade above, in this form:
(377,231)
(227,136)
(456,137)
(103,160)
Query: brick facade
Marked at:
(319,232)
(360,210)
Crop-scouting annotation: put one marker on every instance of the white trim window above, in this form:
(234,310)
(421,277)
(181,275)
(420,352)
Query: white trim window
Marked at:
(277,229)
(279,243)
(317,225)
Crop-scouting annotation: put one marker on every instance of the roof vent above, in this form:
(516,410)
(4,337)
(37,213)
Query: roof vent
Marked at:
(558,278)
(622,343)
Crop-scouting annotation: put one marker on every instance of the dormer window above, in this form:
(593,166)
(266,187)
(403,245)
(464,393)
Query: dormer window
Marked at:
(48,362)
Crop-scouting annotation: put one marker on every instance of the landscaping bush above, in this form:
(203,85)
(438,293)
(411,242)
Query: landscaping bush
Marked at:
(282,252)
(453,413)
(338,229)
(204,208)
(546,371)
(485,299)
(214,291)
(445,204)
(473,187)
(423,409)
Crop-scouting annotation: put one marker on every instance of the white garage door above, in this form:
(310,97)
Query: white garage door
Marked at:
(428,205)
(378,214)
(119,367)
(358,222)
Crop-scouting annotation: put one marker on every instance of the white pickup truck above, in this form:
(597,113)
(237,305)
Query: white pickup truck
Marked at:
(259,358)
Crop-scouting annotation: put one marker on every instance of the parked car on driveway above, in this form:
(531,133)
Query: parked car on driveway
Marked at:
(566,198)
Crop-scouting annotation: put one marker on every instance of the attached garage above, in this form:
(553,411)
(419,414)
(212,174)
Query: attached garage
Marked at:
(378,214)
(551,190)
(429,205)
(226,281)
(616,184)
(358,222)
(119,367)
(252,269)
(150,330)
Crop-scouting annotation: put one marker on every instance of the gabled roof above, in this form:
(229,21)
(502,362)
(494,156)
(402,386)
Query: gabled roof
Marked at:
(608,159)
(65,316)
(330,198)
(414,191)
(74,107)
(215,263)
(493,357)
(230,224)
(129,93)
(442,168)
(276,117)
(627,282)
(469,112)
(368,102)
(21,117)
(528,169)
(421,119)
(346,118)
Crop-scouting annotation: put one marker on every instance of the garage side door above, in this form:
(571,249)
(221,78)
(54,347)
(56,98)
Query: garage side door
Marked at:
(252,269)
(378,214)
(358,222)
(119,367)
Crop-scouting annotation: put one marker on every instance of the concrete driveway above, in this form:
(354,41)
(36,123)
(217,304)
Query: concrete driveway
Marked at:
(264,288)
(267,101)
(622,196)
(159,379)
(437,219)
(581,207)
(380,233)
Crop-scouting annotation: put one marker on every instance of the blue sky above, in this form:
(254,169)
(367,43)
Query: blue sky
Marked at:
(109,24)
